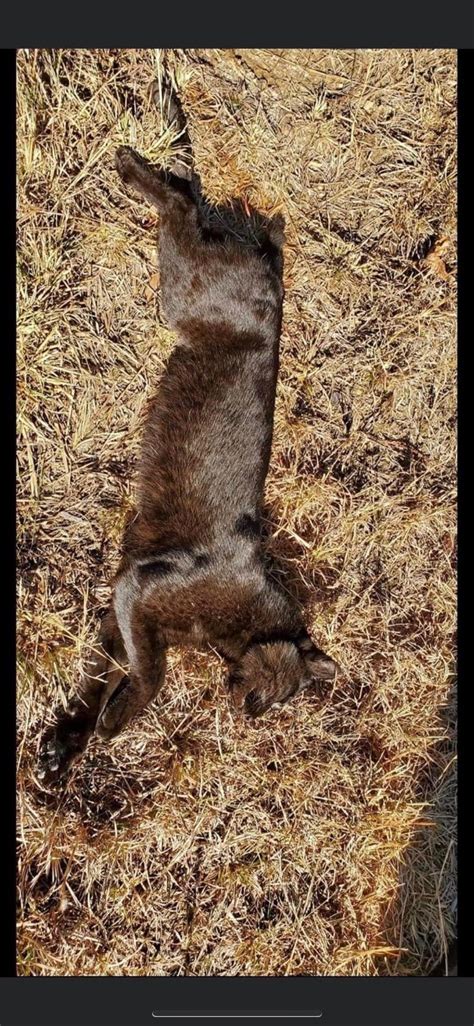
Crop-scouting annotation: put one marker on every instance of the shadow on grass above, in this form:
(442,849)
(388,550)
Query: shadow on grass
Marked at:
(426,879)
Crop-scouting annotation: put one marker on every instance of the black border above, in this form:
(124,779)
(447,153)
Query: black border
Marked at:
(465,694)
(365,23)
(7,591)
(345,1001)
(129,1001)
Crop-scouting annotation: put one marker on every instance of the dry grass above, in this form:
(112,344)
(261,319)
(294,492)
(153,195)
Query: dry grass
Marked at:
(315,841)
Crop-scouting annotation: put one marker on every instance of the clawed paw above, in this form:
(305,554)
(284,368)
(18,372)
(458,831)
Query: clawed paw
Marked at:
(63,743)
(56,756)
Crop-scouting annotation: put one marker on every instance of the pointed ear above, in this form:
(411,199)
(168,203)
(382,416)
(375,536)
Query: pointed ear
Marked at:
(320,666)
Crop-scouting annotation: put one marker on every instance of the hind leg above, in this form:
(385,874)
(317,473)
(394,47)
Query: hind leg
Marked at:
(179,233)
(133,693)
(67,738)
(180,243)
(170,193)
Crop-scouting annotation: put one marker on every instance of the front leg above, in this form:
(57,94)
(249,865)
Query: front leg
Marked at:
(132,695)
(66,739)
(146,655)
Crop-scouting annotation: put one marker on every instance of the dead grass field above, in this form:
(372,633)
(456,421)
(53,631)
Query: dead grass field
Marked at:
(316,841)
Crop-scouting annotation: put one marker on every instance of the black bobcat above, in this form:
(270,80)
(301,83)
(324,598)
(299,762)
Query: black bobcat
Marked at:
(192,570)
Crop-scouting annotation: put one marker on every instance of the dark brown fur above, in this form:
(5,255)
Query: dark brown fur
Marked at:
(192,570)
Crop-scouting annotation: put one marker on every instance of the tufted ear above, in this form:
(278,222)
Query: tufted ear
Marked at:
(319,665)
